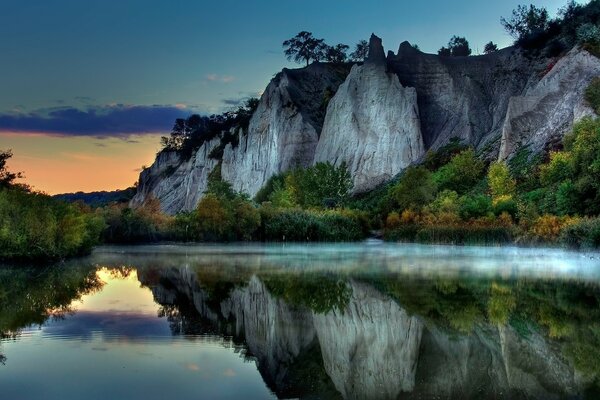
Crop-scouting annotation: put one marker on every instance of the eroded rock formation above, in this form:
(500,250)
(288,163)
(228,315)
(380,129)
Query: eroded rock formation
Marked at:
(383,115)
(372,124)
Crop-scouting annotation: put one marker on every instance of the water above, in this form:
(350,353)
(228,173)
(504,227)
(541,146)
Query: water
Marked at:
(357,321)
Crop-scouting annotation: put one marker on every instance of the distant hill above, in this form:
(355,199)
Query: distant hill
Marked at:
(99,199)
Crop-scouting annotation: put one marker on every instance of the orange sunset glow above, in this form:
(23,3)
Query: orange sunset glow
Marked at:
(64,164)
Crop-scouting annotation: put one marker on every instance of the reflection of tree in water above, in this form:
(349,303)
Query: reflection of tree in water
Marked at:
(564,312)
(30,296)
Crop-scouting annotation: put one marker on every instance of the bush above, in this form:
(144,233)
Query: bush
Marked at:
(584,234)
(297,225)
(214,220)
(135,225)
(477,206)
(588,34)
(34,226)
(415,189)
(461,174)
(500,180)
(592,95)
(506,204)
(548,228)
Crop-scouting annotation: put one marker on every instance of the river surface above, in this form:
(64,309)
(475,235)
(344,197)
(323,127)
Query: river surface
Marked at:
(353,321)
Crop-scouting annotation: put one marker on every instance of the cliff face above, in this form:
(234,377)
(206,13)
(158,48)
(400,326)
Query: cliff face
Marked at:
(463,97)
(547,110)
(178,184)
(384,115)
(284,131)
(372,124)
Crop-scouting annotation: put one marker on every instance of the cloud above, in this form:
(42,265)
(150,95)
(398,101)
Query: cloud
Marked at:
(220,78)
(233,102)
(115,120)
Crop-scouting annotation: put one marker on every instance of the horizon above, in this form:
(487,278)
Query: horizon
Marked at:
(88,94)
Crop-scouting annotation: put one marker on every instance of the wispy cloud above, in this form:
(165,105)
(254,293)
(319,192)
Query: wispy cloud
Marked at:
(220,78)
(116,120)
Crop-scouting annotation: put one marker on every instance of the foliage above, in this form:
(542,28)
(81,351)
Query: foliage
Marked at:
(361,51)
(583,234)
(135,225)
(436,159)
(592,95)
(490,48)
(7,177)
(34,226)
(461,174)
(322,186)
(548,228)
(296,225)
(475,206)
(526,21)
(415,189)
(588,34)
(337,54)
(457,47)
(304,47)
(500,181)
(534,31)
(571,175)
(189,134)
(214,220)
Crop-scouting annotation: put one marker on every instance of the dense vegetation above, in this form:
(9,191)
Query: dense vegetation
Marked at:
(190,133)
(461,200)
(35,226)
(535,31)
(301,205)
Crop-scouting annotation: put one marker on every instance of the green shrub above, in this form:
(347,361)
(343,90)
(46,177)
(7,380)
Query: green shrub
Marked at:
(34,226)
(585,234)
(461,174)
(508,205)
(592,95)
(415,189)
(476,206)
(298,225)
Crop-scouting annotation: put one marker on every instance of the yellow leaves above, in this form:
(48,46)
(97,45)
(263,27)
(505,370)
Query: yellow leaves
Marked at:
(549,227)
(500,181)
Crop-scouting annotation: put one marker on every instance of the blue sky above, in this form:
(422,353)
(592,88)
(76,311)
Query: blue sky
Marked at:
(106,69)
(200,53)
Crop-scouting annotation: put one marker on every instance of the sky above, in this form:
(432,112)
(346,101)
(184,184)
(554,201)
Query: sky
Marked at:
(88,87)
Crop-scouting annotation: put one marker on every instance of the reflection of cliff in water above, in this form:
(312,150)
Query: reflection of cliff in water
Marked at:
(447,340)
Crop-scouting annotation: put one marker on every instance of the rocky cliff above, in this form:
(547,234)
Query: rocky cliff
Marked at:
(372,124)
(383,115)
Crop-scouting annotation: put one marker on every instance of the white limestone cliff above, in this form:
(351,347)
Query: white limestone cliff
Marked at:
(372,124)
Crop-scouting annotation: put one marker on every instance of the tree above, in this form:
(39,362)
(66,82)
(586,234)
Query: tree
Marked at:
(7,178)
(490,47)
(500,181)
(304,47)
(415,189)
(361,51)
(461,174)
(459,47)
(337,54)
(444,52)
(526,21)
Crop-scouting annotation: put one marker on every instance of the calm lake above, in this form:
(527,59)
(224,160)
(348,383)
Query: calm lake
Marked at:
(353,321)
